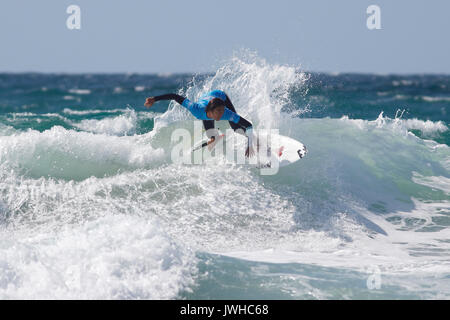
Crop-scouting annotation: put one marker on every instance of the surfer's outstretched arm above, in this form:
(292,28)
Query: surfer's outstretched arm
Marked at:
(185,102)
(170,96)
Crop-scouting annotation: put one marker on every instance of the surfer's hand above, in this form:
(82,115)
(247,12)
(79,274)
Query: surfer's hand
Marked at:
(211,140)
(211,143)
(249,152)
(149,102)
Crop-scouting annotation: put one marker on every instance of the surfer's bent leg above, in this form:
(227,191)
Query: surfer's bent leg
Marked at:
(211,132)
(230,106)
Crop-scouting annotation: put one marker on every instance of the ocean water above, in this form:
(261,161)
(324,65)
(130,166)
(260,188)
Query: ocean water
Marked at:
(92,207)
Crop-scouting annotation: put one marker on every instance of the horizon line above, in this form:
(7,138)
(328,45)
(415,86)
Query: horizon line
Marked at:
(166,74)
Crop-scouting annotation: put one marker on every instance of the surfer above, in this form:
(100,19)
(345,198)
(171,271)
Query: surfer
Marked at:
(213,106)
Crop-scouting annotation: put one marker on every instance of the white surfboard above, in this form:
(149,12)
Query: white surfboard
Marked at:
(286,150)
(274,149)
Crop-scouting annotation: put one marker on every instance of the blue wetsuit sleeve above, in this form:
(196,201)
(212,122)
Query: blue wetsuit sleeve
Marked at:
(194,108)
(235,118)
(188,104)
(230,116)
(185,102)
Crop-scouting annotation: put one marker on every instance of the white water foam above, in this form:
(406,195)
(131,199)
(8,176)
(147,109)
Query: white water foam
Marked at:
(439,182)
(435,99)
(124,124)
(114,257)
(427,127)
(63,153)
(80,91)
(257,89)
(91,111)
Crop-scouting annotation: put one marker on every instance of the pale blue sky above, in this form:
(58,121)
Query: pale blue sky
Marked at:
(148,36)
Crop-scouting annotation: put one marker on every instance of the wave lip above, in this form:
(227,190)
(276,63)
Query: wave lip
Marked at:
(427,127)
(124,124)
(258,89)
(91,111)
(435,182)
(435,99)
(80,91)
(69,154)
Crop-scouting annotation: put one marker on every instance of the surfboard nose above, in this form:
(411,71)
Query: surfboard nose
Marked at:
(302,152)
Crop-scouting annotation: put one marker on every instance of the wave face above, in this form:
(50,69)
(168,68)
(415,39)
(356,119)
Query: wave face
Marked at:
(92,206)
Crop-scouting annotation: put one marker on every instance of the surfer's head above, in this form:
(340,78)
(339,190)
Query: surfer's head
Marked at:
(215,109)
